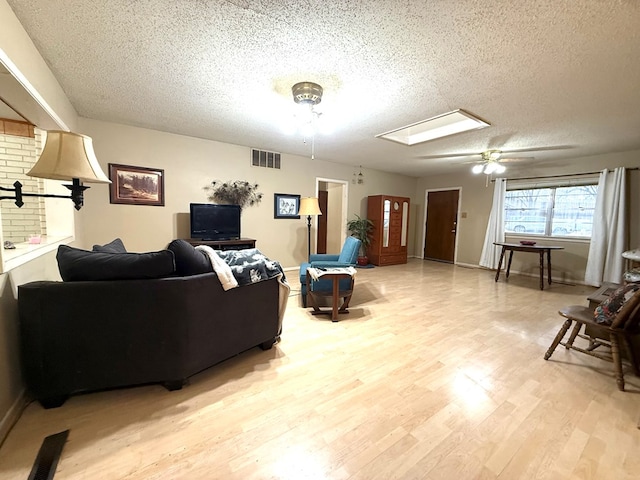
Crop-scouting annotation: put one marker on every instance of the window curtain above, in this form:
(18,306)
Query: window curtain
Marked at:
(605,262)
(495,228)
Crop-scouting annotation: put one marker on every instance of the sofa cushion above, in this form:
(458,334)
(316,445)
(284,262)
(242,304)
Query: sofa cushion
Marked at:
(189,261)
(609,308)
(114,246)
(82,265)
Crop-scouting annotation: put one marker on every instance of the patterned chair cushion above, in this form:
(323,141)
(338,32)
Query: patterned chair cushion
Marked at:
(608,309)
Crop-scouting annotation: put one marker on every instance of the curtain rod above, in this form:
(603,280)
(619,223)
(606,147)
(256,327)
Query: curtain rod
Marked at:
(565,175)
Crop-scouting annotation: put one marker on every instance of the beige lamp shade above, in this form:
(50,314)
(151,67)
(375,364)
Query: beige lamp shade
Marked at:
(309,206)
(66,156)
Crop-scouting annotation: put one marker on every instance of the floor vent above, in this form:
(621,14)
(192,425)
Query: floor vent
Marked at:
(261,158)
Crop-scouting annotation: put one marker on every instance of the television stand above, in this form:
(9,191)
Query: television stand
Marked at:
(238,244)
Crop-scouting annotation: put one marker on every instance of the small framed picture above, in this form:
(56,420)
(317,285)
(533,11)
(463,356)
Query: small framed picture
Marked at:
(136,185)
(285,205)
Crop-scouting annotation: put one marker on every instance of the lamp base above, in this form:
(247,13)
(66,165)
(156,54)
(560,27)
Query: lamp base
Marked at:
(308,238)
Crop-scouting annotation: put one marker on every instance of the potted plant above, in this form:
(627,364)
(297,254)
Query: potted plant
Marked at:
(361,229)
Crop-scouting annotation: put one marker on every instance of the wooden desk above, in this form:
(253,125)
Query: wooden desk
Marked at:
(334,274)
(517,247)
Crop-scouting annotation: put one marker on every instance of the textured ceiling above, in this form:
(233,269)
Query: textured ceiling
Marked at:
(558,77)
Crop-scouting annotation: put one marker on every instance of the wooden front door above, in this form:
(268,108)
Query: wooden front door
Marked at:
(442,225)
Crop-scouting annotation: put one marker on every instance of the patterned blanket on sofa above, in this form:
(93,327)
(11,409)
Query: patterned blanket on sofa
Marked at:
(250,265)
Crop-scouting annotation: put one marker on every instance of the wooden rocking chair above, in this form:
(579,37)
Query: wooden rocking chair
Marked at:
(622,328)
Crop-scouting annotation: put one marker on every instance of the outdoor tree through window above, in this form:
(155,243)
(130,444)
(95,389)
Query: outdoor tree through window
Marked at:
(553,211)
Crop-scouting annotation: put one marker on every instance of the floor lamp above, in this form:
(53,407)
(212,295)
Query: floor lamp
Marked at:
(309,206)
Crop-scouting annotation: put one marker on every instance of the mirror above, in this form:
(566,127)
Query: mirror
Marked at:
(405,223)
(386,213)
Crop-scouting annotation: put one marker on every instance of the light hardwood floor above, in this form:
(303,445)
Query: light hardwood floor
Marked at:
(436,373)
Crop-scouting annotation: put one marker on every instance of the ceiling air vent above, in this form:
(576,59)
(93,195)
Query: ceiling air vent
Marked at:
(260,158)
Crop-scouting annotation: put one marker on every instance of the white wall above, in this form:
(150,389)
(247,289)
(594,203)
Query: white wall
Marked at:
(18,53)
(476,198)
(189,164)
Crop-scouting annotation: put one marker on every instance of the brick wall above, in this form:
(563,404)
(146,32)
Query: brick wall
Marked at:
(18,153)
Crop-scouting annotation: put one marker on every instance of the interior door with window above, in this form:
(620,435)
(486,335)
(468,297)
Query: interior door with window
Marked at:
(441,226)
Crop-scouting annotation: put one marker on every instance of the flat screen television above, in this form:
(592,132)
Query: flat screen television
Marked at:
(215,222)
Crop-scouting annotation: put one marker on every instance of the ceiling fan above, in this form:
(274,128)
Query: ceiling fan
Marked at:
(492,162)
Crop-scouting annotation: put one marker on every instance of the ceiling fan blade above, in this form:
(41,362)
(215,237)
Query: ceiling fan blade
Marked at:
(501,151)
(516,159)
(450,155)
(537,149)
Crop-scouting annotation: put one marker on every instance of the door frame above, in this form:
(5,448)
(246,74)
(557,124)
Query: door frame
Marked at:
(344,207)
(424,220)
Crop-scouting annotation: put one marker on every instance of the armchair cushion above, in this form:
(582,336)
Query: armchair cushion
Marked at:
(330,264)
(323,257)
(350,250)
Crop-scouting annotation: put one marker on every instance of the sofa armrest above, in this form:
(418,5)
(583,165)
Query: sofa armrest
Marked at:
(323,257)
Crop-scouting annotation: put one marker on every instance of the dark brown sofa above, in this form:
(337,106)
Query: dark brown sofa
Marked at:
(92,335)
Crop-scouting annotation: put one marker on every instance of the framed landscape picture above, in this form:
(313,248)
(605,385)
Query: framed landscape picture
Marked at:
(136,185)
(285,205)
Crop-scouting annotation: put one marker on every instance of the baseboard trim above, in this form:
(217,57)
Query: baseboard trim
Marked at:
(560,281)
(12,415)
(467,265)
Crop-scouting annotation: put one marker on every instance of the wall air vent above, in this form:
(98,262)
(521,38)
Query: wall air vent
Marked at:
(261,158)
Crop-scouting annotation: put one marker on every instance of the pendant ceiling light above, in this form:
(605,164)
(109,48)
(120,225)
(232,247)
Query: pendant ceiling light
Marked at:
(307,95)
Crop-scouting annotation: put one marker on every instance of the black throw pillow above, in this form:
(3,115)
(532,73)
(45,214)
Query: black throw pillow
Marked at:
(82,265)
(189,261)
(114,246)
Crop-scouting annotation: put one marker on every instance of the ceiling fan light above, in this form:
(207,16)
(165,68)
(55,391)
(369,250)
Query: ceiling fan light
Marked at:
(500,168)
(489,168)
(477,168)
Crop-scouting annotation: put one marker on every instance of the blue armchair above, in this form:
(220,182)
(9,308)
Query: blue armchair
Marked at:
(347,258)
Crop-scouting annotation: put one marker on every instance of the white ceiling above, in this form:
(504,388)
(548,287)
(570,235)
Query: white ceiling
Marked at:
(561,77)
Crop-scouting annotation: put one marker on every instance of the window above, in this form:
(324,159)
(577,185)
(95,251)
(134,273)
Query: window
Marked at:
(553,211)
(48,219)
